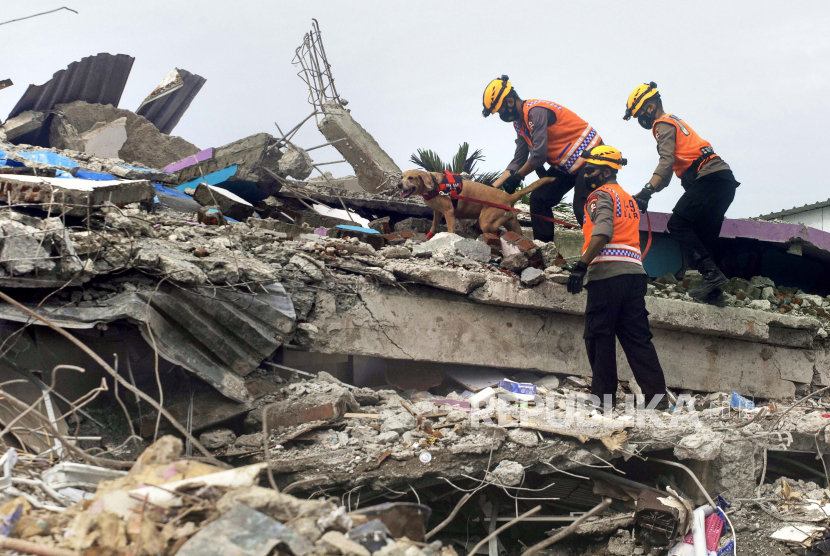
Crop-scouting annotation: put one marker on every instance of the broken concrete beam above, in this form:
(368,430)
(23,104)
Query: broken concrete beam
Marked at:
(72,196)
(450,279)
(381,325)
(134,173)
(697,318)
(107,132)
(26,122)
(168,102)
(246,167)
(366,235)
(230,205)
(374,168)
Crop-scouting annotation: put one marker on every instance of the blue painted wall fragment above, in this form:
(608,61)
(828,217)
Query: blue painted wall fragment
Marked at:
(170,191)
(48,157)
(247,190)
(214,178)
(357,229)
(94,176)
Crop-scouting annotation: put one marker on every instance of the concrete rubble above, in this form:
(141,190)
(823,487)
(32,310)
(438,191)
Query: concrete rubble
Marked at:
(210,364)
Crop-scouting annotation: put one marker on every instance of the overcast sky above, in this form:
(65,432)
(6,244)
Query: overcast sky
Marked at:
(750,77)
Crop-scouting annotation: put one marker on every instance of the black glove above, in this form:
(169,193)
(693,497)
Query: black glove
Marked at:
(643,197)
(577,276)
(513,182)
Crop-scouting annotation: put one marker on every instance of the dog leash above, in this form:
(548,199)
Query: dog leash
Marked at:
(513,209)
(548,218)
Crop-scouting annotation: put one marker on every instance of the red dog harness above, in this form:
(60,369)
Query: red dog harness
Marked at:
(451,188)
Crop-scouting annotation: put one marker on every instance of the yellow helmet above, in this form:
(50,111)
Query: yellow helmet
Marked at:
(638,97)
(604,155)
(495,93)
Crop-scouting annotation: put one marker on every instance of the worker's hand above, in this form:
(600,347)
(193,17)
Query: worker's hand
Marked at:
(513,182)
(643,197)
(577,277)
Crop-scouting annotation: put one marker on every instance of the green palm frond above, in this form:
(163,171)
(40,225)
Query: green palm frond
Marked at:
(428,160)
(487,178)
(460,163)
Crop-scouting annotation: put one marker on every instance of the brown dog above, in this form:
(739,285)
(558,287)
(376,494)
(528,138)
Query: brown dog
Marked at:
(490,219)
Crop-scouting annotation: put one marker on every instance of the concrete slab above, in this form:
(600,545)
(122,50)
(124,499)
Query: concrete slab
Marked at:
(24,123)
(697,318)
(73,196)
(230,205)
(429,326)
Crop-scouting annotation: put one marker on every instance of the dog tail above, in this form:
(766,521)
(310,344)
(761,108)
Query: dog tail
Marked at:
(515,196)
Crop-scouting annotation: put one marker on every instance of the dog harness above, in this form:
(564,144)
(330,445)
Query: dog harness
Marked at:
(452,188)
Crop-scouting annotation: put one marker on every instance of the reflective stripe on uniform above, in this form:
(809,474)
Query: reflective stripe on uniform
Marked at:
(680,123)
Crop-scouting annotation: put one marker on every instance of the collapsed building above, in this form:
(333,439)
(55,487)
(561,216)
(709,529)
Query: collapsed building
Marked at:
(360,379)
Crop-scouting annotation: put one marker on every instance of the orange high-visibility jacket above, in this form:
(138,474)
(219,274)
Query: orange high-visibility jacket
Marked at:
(567,138)
(625,245)
(688,146)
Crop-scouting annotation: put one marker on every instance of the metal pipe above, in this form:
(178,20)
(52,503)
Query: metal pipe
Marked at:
(327,144)
(568,530)
(507,525)
(692,475)
(324,163)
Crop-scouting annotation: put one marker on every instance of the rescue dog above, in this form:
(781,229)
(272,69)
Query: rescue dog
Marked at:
(490,219)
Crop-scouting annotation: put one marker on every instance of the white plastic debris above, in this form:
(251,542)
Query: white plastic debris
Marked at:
(425,457)
(481,398)
(232,478)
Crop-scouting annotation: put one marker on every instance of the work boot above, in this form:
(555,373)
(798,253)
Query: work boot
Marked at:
(713,279)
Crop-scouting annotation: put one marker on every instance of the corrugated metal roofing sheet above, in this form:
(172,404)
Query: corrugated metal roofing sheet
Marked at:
(166,111)
(795,210)
(96,79)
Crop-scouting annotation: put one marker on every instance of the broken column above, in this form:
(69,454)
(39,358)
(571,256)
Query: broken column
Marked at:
(374,168)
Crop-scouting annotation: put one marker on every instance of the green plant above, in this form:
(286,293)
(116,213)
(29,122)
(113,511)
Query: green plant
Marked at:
(431,162)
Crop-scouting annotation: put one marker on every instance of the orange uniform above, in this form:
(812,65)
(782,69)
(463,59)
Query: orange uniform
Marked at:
(689,148)
(567,137)
(624,246)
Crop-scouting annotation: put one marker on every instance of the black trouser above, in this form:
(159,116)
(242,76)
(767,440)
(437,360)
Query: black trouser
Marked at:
(698,216)
(617,309)
(548,196)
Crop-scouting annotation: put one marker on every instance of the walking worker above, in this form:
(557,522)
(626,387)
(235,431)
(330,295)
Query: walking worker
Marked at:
(547,132)
(707,180)
(616,283)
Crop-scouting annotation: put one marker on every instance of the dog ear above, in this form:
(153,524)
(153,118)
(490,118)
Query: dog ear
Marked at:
(429,181)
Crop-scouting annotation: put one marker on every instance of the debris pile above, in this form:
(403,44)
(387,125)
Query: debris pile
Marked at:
(338,383)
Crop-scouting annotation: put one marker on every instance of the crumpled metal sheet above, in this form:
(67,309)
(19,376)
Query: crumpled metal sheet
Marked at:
(165,110)
(217,334)
(96,79)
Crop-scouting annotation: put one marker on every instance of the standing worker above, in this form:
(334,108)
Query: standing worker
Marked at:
(616,283)
(708,181)
(546,132)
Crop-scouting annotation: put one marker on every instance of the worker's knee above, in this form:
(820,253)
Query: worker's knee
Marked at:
(678,224)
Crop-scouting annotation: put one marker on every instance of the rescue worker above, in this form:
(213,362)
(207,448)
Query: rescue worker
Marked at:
(616,283)
(547,132)
(707,180)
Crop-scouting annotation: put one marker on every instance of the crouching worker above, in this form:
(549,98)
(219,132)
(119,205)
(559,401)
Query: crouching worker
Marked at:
(616,284)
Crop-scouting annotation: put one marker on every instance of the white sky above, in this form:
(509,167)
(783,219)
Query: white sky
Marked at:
(750,77)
